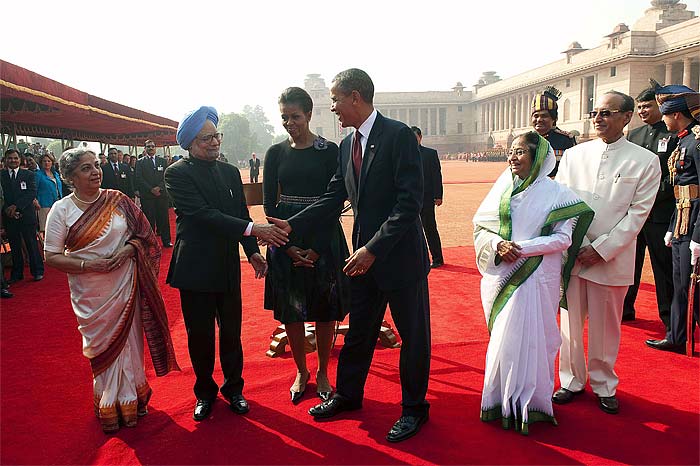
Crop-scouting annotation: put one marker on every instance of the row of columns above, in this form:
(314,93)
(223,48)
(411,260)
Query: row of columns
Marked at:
(687,76)
(508,112)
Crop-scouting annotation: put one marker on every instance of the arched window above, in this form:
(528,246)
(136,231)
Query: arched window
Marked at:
(567,110)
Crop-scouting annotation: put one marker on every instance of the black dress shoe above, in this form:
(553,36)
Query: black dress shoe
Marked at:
(406,427)
(202,409)
(167,245)
(609,404)
(238,404)
(563,396)
(436,264)
(330,408)
(38,278)
(324,396)
(5,293)
(665,345)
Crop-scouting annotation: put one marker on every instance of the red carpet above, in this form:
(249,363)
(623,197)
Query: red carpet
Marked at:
(47,415)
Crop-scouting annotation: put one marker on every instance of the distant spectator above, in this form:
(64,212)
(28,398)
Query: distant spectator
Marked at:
(49,188)
(254,165)
(19,188)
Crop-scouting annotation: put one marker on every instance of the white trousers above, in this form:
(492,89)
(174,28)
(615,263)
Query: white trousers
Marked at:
(602,304)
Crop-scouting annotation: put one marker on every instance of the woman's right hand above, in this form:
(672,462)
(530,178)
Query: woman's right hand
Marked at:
(509,251)
(98,265)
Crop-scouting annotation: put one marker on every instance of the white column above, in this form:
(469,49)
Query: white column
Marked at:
(669,74)
(686,71)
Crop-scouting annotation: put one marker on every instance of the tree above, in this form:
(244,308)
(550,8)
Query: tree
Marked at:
(237,143)
(260,127)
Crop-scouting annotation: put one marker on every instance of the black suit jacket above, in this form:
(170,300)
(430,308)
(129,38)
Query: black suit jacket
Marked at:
(386,203)
(648,137)
(22,198)
(121,181)
(212,216)
(254,166)
(148,176)
(432,175)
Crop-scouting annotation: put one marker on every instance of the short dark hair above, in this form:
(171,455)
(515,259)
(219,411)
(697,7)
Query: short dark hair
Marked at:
(10,151)
(296,96)
(354,79)
(646,95)
(416,130)
(627,101)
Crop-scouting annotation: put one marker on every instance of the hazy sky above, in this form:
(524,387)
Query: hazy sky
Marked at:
(169,57)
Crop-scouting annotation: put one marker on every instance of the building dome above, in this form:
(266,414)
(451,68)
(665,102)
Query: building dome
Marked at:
(663,3)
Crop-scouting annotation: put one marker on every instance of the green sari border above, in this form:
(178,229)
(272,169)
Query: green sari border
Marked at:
(492,414)
(505,230)
(585,216)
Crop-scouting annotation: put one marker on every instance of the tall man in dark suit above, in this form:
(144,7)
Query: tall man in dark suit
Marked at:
(380,171)
(117,175)
(654,136)
(150,183)
(254,164)
(432,196)
(212,219)
(19,216)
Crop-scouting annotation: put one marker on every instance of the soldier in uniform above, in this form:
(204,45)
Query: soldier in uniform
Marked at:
(655,137)
(544,120)
(680,107)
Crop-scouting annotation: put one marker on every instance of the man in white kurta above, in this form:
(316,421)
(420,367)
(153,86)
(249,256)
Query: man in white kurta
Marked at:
(619,181)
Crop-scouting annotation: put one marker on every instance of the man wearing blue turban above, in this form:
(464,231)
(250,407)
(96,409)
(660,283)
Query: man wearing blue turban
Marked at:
(680,107)
(212,219)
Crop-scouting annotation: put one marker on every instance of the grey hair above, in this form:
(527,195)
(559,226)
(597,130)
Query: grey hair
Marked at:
(70,160)
(627,104)
(355,79)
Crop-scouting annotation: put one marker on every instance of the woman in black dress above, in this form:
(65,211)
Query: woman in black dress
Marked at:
(305,281)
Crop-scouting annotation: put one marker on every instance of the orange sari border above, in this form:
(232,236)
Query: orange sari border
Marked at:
(153,315)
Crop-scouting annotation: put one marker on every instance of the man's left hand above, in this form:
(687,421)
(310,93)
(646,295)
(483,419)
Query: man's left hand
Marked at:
(359,262)
(259,265)
(438,202)
(37,206)
(588,256)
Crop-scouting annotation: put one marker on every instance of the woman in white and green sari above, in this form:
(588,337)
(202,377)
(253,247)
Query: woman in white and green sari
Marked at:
(527,233)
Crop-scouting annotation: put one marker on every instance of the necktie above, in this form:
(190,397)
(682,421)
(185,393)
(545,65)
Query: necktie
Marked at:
(357,154)
(116,170)
(12,175)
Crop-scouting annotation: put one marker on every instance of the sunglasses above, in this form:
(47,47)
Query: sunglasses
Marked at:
(602,113)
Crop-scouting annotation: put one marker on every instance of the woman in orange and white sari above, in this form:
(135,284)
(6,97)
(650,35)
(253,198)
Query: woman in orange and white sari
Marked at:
(107,248)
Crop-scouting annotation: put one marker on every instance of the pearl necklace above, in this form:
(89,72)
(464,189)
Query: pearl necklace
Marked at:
(86,202)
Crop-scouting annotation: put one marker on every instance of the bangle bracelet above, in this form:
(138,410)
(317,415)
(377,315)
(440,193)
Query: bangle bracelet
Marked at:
(82,266)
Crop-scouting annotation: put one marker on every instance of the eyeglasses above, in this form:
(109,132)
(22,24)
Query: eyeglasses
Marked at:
(150,146)
(603,113)
(518,152)
(207,138)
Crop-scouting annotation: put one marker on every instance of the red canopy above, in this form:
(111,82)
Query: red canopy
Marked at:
(33,105)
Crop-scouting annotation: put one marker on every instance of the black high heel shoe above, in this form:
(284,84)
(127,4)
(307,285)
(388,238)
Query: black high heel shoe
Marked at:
(296,396)
(324,395)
